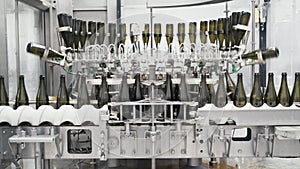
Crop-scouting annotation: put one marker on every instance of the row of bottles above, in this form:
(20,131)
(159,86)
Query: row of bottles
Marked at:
(222,30)
(237,94)
(80,31)
(172,92)
(42,97)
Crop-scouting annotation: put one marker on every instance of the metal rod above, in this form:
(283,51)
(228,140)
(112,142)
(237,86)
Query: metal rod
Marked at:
(17,38)
(253,37)
(37,154)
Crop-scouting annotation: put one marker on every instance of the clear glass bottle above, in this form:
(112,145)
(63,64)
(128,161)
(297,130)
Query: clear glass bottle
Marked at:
(203,96)
(221,94)
(83,94)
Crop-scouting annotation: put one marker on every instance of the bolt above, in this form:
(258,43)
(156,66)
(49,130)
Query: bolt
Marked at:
(172,151)
(3,132)
(147,152)
(240,151)
(183,151)
(102,134)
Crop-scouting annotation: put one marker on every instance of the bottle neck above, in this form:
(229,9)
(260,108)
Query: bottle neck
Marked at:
(284,80)
(256,80)
(203,79)
(21,82)
(240,80)
(2,81)
(62,82)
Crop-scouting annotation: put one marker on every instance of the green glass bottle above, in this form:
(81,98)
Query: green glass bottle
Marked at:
(221,34)
(62,95)
(133,38)
(157,34)
(91,32)
(270,96)
(83,94)
(83,34)
(221,94)
(256,97)
(240,98)
(101,31)
(168,93)
(169,35)
(212,31)
(181,33)
(3,93)
(230,86)
(234,21)
(76,32)
(192,32)
(284,96)
(265,54)
(295,98)
(122,31)
(244,20)
(227,30)
(42,95)
(203,30)
(203,96)
(62,22)
(43,51)
(112,33)
(104,97)
(22,97)
(145,35)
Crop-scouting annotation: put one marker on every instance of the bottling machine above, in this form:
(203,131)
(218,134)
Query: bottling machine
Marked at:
(88,136)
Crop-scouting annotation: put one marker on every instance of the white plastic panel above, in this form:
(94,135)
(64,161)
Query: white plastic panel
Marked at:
(87,114)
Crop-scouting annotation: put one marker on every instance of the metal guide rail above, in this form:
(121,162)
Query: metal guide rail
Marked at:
(90,133)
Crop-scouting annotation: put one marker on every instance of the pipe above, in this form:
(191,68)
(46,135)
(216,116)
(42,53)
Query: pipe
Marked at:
(37,156)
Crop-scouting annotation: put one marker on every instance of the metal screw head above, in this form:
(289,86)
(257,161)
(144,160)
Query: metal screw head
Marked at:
(172,151)
(183,151)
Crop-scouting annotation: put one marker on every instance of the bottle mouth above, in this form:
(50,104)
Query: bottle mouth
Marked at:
(28,47)
(277,51)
